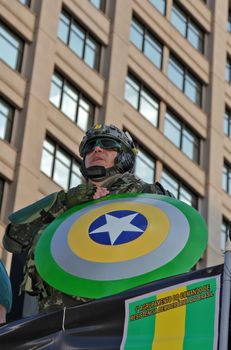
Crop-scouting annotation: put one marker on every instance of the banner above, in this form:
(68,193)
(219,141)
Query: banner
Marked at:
(105,324)
(184,316)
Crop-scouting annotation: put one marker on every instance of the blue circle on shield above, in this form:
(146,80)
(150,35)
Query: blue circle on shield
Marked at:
(117,227)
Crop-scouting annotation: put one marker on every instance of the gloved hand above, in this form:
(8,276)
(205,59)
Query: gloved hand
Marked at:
(79,194)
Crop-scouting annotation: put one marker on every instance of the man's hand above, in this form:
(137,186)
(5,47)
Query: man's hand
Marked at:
(100,192)
(80,194)
(84,193)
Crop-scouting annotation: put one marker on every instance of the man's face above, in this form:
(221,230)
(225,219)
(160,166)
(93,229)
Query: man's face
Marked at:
(101,157)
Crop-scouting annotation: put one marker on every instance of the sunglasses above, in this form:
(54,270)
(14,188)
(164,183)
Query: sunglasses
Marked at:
(103,143)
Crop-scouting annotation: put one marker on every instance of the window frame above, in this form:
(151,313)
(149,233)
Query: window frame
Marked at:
(2,188)
(142,150)
(189,22)
(59,148)
(153,3)
(147,37)
(9,119)
(186,74)
(228,69)
(18,63)
(227,232)
(80,97)
(183,127)
(181,186)
(142,89)
(229,21)
(226,177)
(102,6)
(25,3)
(87,36)
(227,122)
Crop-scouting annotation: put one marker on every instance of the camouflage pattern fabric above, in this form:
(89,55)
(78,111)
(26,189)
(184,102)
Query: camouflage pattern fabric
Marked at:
(27,235)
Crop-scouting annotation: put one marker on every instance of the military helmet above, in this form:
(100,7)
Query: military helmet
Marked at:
(123,142)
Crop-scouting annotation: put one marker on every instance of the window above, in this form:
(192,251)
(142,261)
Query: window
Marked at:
(228,70)
(1,191)
(145,166)
(179,190)
(227,122)
(25,2)
(59,165)
(71,102)
(141,99)
(225,233)
(146,42)
(176,131)
(6,120)
(185,80)
(11,48)
(79,40)
(188,28)
(226,178)
(99,4)
(160,5)
(229,22)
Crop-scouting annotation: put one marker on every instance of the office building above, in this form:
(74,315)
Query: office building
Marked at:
(160,69)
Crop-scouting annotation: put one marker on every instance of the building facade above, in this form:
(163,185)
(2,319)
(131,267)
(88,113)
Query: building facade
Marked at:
(160,69)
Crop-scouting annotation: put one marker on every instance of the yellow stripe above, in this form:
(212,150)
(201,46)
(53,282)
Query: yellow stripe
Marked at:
(170,325)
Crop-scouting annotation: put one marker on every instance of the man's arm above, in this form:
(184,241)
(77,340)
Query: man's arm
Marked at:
(27,222)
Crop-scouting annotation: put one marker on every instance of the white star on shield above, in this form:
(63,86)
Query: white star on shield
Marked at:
(115,226)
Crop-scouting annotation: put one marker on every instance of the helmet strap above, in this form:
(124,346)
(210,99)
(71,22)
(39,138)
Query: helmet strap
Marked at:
(95,172)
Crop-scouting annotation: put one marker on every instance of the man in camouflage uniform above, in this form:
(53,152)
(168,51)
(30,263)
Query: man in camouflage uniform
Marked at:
(108,163)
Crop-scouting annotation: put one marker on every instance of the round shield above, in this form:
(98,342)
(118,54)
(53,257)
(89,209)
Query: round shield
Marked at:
(119,242)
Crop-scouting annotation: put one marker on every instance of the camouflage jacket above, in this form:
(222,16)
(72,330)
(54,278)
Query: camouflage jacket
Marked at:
(23,234)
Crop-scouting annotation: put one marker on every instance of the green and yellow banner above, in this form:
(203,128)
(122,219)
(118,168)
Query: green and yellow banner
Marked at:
(180,317)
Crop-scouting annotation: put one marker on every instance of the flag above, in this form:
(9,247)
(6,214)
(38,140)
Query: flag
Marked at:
(180,317)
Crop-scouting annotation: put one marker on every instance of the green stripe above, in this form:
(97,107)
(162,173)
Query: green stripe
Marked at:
(199,327)
(140,333)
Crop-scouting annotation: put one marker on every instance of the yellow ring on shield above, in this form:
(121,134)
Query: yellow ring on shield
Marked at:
(84,247)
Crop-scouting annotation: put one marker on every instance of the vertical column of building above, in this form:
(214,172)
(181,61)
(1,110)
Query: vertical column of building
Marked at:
(43,51)
(38,64)
(118,62)
(215,132)
(17,28)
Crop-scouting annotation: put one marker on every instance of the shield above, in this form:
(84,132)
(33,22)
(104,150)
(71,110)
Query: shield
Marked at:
(119,242)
